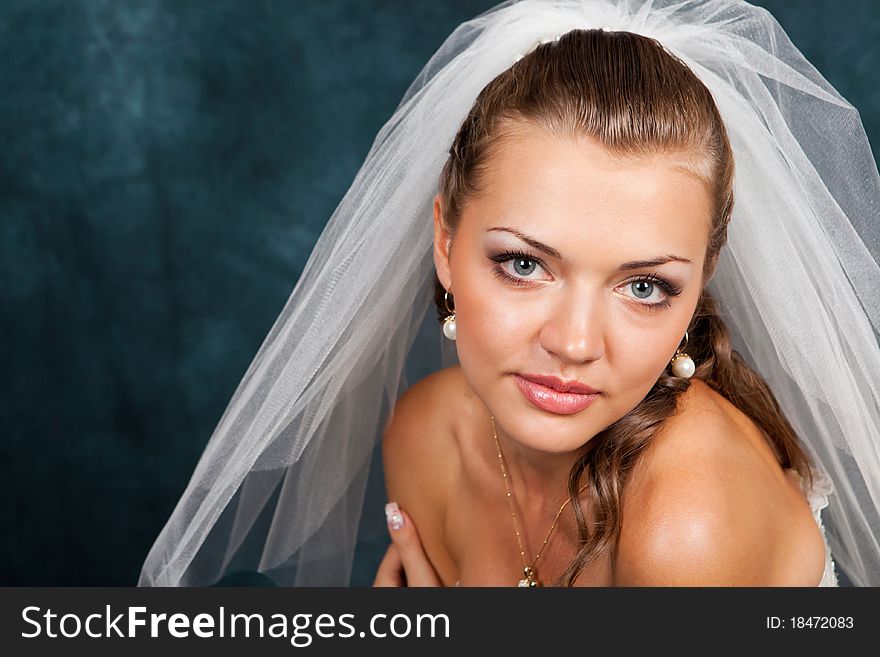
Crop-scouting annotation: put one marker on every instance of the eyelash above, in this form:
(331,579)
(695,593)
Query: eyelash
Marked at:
(670,289)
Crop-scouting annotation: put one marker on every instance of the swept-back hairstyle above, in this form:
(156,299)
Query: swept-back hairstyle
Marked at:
(628,93)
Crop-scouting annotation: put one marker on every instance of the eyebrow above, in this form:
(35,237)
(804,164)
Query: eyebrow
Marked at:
(553,253)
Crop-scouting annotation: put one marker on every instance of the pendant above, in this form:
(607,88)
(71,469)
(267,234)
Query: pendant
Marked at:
(530,579)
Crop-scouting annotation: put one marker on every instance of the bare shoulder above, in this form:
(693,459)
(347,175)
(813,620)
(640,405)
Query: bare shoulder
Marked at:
(709,506)
(420,458)
(417,438)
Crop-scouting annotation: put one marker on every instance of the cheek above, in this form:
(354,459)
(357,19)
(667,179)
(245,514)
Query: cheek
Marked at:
(638,347)
(490,328)
(638,353)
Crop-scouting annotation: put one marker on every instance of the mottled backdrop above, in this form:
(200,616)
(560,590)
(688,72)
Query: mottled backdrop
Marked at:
(167,167)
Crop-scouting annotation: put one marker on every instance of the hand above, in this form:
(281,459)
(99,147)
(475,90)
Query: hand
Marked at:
(405,562)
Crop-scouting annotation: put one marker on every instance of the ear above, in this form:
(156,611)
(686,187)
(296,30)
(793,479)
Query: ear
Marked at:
(442,246)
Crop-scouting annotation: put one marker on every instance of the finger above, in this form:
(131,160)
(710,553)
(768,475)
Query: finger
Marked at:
(390,571)
(417,566)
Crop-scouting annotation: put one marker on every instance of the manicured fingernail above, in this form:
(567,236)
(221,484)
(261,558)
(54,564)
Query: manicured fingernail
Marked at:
(393,516)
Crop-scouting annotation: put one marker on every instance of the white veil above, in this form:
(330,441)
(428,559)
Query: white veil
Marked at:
(280,487)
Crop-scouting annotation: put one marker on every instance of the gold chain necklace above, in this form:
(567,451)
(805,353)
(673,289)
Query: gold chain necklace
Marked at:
(530,575)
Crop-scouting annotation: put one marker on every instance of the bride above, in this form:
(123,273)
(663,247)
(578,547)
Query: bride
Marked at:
(578,238)
(651,251)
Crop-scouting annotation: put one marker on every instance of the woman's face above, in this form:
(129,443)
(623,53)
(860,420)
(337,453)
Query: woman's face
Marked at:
(571,310)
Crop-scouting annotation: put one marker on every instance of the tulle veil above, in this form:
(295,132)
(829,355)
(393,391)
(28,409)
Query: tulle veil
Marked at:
(282,486)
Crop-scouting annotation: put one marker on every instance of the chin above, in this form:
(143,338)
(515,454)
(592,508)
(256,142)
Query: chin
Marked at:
(545,432)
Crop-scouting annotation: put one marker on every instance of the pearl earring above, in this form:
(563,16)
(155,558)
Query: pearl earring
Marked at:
(682,364)
(449,322)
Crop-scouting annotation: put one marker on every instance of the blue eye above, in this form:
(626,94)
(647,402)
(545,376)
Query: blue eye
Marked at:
(643,284)
(524,265)
(520,264)
(646,287)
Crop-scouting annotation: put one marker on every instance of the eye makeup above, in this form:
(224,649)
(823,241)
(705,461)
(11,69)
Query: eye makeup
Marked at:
(670,289)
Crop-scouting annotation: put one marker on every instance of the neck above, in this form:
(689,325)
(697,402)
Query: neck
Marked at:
(538,478)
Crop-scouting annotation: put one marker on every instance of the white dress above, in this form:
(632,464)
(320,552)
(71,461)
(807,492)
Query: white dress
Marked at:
(818,499)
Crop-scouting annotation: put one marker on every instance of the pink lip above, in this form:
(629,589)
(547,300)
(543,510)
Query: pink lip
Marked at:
(560,385)
(552,400)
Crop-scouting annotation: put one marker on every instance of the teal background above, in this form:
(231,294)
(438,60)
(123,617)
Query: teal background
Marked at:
(167,167)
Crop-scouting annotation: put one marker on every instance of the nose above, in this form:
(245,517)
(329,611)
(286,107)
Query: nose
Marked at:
(574,329)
